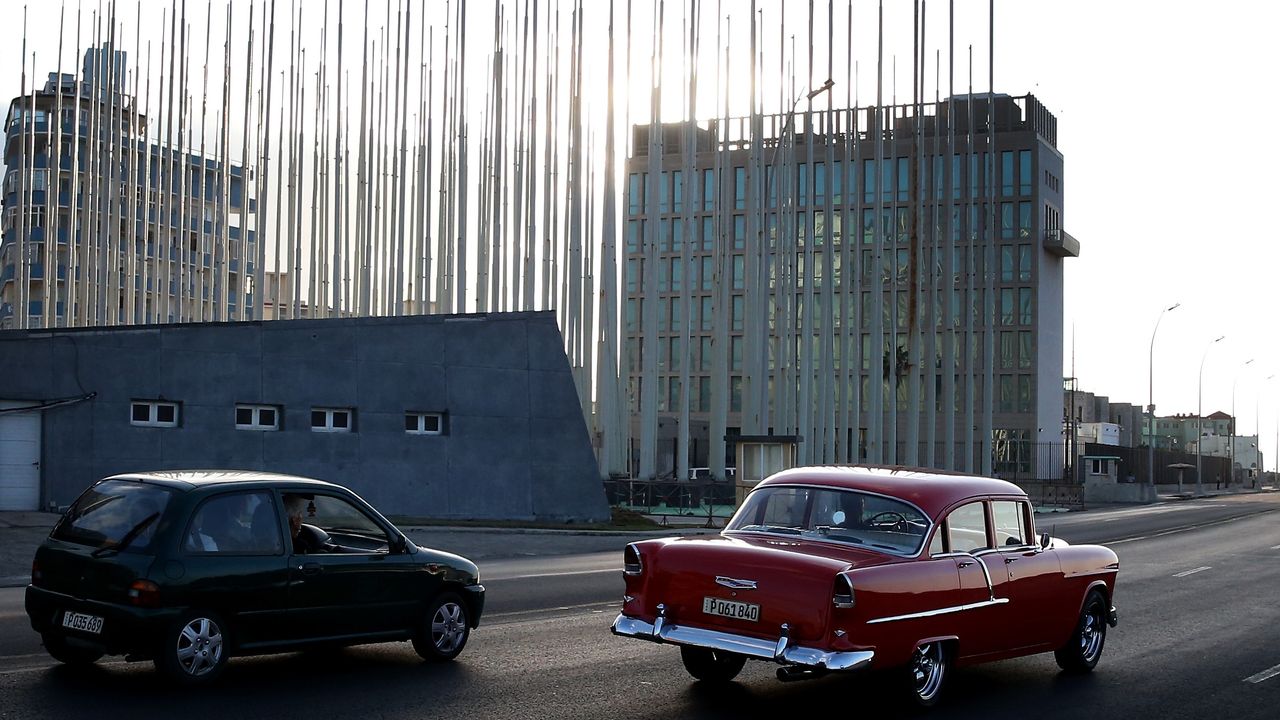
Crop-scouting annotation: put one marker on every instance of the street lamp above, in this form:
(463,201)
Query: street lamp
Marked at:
(1151,399)
(1231,474)
(1257,431)
(1200,416)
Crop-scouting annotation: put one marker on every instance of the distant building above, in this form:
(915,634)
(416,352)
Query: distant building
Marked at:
(102,226)
(872,225)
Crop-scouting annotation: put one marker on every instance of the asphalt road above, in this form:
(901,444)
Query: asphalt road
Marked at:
(1199,637)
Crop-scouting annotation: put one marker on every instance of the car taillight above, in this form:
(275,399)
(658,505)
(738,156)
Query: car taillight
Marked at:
(36,575)
(631,561)
(144,593)
(842,594)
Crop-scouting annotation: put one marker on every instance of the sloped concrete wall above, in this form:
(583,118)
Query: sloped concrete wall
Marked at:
(516,444)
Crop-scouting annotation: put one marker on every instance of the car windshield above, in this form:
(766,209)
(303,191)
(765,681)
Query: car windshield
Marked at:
(115,514)
(844,516)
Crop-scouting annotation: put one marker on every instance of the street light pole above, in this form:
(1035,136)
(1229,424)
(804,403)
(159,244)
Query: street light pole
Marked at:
(1151,399)
(1257,432)
(1235,426)
(1200,417)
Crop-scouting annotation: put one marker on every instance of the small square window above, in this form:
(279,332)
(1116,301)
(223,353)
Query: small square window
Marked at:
(424,423)
(153,413)
(331,419)
(257,417)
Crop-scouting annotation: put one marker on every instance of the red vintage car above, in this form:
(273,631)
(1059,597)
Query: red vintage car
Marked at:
(844,568)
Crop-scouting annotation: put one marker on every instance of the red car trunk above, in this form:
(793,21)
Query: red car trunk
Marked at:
(787,581)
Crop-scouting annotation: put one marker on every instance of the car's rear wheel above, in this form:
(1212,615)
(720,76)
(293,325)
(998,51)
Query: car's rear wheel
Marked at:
(926,672)
(194,649)
(67,654)
(1084,648)
(444,631)
(709,665)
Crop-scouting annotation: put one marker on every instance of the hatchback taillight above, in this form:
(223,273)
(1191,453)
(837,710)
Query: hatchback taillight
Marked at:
(631,561)
(144,593)
(36,575)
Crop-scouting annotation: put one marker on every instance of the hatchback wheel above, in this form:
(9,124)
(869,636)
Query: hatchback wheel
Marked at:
(714,666)
(445,629)
(194,649)
(60,650)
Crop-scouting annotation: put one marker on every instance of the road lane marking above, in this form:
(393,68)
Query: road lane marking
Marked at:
(1264,675)
(553,574)
(562,608)
(1183,529)
(1275,547)
(1193,571)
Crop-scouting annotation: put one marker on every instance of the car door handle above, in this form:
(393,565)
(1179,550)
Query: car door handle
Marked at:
(310,568)
(966,563)
(1009,560)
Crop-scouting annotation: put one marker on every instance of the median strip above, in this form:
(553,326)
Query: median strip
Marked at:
(1264,675)
(1192,571)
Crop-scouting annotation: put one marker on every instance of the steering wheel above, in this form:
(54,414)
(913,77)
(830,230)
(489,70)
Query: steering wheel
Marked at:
(888,519)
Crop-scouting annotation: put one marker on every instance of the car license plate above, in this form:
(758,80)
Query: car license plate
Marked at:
(731,609)
(83,622)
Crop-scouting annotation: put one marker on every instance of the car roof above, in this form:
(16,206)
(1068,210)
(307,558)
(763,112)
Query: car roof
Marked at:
(192,479)
(931,490)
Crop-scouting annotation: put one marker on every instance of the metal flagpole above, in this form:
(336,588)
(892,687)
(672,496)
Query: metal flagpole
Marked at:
(951,196)
(649,378)
(987,428)
(876,395)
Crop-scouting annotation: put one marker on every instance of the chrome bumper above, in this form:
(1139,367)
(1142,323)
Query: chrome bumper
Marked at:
(780,651)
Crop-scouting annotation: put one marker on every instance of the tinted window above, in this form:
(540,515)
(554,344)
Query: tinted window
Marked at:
(122,514)
(967,528)
(244,523)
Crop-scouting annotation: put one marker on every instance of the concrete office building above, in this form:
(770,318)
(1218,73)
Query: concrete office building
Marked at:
(103,227)
(752,268)
(442,416)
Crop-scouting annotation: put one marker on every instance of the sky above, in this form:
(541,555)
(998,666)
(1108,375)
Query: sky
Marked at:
(1162,109)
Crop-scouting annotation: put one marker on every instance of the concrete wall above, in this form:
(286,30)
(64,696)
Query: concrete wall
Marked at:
(516,444)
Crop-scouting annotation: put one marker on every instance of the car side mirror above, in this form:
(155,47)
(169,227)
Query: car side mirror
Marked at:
(1045,541)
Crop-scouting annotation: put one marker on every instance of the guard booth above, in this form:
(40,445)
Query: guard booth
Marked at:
(758,457)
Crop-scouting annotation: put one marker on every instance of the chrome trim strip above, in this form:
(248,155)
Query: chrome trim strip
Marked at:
(940,611)
(735,583)
(986,573)
(751,647)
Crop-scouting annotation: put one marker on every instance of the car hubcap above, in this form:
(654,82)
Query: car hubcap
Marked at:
(927,669)
(199,647)
(1091,636)
(448,627)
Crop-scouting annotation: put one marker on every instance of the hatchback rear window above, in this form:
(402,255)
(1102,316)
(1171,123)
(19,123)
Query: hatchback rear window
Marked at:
(116,514)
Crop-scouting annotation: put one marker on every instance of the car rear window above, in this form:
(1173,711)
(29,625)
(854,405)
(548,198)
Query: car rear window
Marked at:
(836,515)
(118,514)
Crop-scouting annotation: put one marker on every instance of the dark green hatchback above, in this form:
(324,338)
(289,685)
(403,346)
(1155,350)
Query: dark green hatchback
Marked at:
(189,568)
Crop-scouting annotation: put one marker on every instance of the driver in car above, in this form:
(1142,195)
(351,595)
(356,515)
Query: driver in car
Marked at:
(305,541)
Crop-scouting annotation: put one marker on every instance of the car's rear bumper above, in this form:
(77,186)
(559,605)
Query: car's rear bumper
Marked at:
(781,651)
(125,629)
